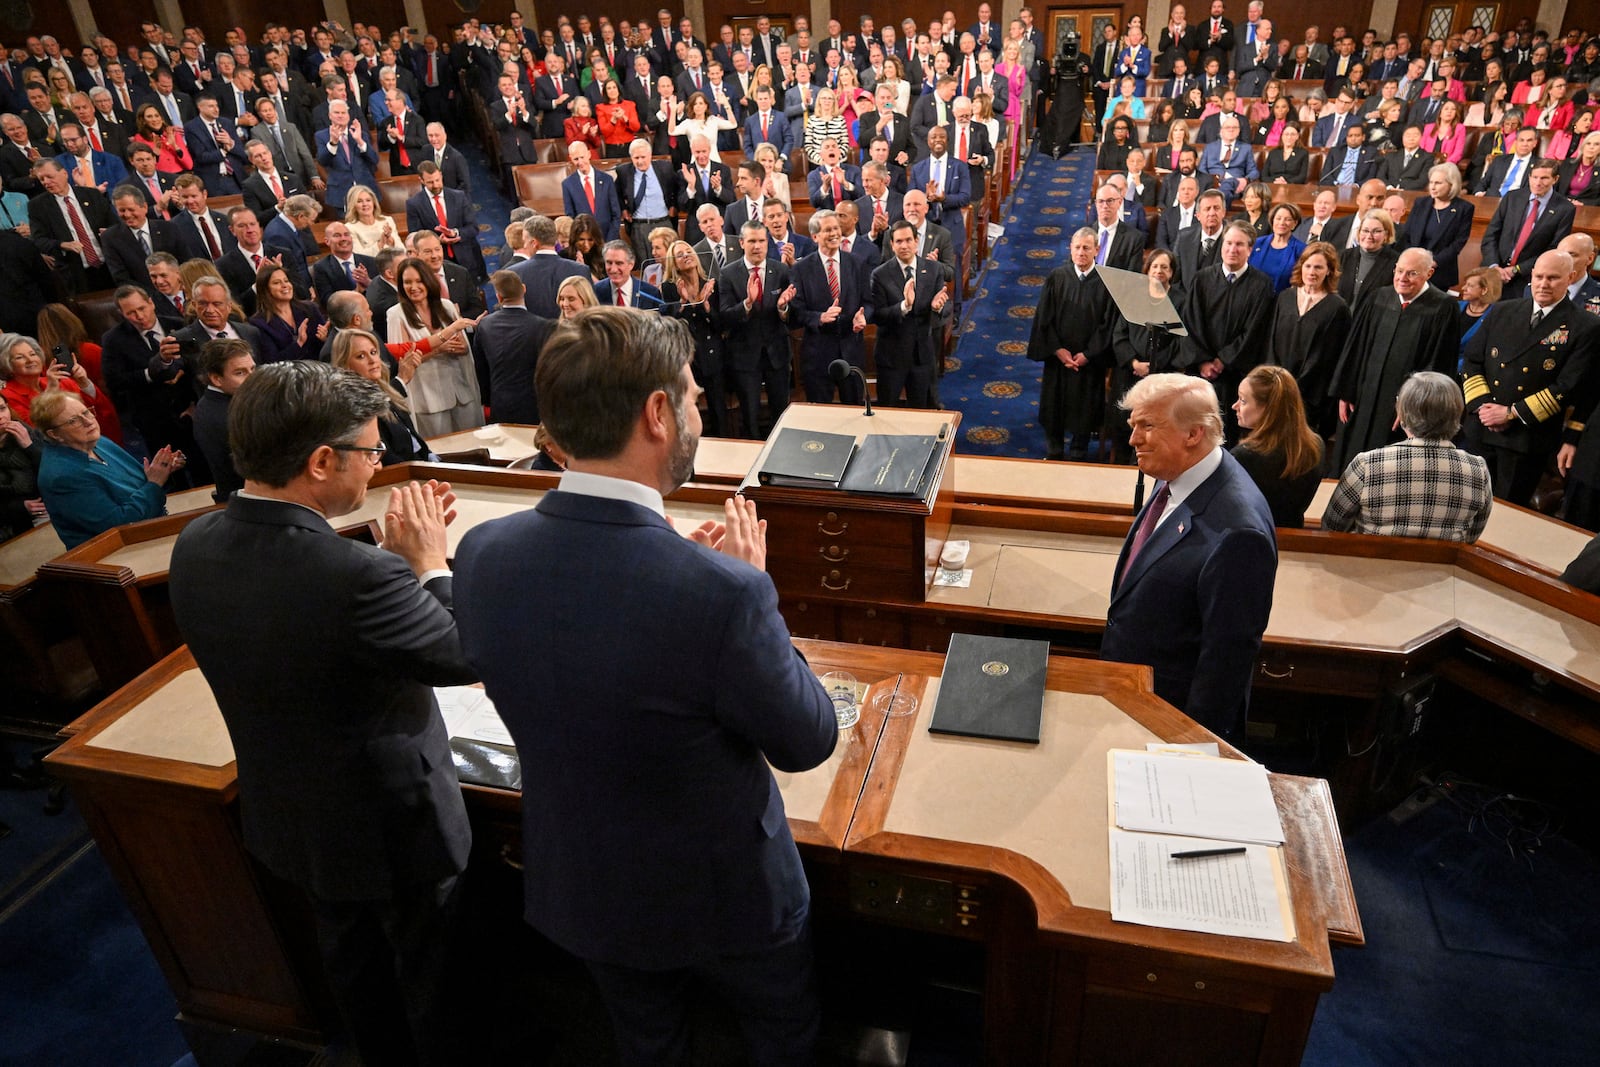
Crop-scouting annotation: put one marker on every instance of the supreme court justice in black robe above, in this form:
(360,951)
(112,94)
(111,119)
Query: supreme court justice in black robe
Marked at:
(1386,346)
(1308,345)
(1227,311)
(1074,318)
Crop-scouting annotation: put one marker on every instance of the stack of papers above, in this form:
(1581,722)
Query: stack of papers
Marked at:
(1165,803)
(469,714)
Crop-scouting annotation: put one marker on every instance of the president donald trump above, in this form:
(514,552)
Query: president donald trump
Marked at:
(1193,585)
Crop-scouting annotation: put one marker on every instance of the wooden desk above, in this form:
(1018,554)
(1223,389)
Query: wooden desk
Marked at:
(1008,842)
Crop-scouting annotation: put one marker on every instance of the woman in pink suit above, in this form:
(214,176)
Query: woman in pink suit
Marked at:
(1016,75)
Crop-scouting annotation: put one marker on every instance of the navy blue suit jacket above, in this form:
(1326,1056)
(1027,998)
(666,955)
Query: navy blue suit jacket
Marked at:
(825,342)
(653,831)
(1195,602)
(607,208)
(644,296)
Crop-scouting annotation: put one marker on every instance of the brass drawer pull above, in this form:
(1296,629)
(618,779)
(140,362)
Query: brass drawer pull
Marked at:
(508,856)
(834,554)
(834,576)
(1270,673)
(832,517)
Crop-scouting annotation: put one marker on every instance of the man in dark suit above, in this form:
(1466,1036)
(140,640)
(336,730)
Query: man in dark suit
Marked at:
(267,188)
(545,269)
(216,148)
(753,297)
(1522,369)
(448,158)
(341,270)
(591,191)
(553,93)
(146,375)
(879,205)
(831,304)
(202,232)
(457,227)
(457,282)
(346,785)
(66,221)
(1117,244)
(1510,243)
(932,239)
(1407,167)
(716,247)
(931,111)
(712,184)
(650,923)
(511,115)
(157,187)
(1193,585)
(909,294)
(619,287)
(1352,162)
(214,318)
(1178,217)
(832,182)
(505,350)
(648,192)
(129,243)
(947,183)
(405,134)
(381,288)
(1200,246)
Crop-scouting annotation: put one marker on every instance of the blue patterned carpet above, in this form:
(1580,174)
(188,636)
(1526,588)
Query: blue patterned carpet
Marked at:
(989,379)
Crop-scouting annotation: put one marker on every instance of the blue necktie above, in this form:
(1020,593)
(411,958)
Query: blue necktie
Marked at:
(1513,173)
(350,274)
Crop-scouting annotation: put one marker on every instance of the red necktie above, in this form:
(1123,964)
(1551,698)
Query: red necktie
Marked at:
(277,188)
(588,191)
(154,185)
(621,303)
(433,70)
(255,260)
(177,300)
(838,190)
(833,280)
(764,120)
(400,140)
(961,143)
(94,139)
(211,238)
(1299,71)
(759,289)
(1527,229)
(438,208)
(90,256)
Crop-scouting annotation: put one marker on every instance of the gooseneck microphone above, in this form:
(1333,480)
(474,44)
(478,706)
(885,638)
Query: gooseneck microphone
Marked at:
(840,370)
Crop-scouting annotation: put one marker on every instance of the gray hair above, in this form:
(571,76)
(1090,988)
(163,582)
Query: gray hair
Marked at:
(817,219)
(285,411)
(344,306)
(1430,406)
(620,246)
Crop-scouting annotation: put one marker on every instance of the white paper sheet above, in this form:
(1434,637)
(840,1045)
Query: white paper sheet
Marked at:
(1205,748)
(1235,895)
(1179,793)
(470,715)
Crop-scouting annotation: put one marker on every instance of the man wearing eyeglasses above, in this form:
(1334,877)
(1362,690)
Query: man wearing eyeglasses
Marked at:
(322,652)
(149,380)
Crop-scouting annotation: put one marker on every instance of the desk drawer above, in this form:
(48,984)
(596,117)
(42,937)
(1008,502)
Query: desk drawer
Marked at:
(1311,670)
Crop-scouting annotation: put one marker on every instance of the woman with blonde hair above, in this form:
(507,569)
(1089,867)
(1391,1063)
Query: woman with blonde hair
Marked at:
(574,294)
(1480,289)
(361,353)
(1280,452)
(692,298)
(777,182)
(825,122)
(444,394)
(372,229)
(654,269)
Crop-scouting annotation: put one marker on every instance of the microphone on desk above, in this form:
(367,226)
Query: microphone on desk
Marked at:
(840,370)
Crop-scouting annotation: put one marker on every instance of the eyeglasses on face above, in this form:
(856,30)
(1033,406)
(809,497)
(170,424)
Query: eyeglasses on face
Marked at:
(82,420)
(374,453)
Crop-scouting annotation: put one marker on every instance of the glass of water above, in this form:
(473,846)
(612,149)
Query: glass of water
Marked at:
(841,689)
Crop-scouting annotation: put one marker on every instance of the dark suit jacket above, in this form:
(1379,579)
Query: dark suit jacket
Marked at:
(759,332)
(258,194)
(50,228)
(1366,164)
(1195,602)
(626,181)
(328,277)
(1500,239)
(1396,173)
(453,166)
(420,215)
(644,295)
(208,156)
(464,291)
(1494,175)
(154,400)
(1191,262)
(906,339)
(1445,243)
(346,785)
(823,342)
(542,275)
(691,197)
(689,775)
(193,244)
(607,208)
(126,257)
(193,337)
(505,346)
(1584,571)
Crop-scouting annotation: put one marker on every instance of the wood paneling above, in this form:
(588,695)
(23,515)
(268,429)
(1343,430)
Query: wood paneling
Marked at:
(1408,14)
(218,16)
(442,14)
(19,21)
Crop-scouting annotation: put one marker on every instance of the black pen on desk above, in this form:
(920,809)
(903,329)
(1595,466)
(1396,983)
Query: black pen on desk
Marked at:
(1202,853)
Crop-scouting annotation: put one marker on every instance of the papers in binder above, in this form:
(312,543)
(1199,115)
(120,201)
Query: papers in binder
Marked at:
(469,714)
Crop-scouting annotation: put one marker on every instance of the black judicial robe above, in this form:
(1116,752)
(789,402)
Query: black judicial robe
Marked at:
(1131,342)
(1076,315)
(1385,347)
(1227,321)
(1308,347)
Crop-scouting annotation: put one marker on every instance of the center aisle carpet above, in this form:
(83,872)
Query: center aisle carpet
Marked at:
(989,378)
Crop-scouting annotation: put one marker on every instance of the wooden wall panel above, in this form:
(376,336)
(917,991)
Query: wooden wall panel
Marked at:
(442,14)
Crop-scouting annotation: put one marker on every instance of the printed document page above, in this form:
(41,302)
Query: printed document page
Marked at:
(1189,794)
(1242,895)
